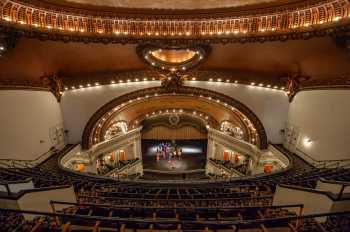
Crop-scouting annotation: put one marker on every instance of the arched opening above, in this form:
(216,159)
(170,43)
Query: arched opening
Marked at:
(210,107)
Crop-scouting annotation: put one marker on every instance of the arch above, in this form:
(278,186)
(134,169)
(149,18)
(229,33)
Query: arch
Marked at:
(183,90)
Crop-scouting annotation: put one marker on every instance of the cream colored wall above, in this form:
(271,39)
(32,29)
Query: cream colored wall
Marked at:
(8,204)
(332,187)
(79,105)
(40,201)
(313,202)
(26,118)
(323,117)
(269,105)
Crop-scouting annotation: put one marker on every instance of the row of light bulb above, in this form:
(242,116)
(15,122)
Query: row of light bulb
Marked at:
(195,113)
(186,33)
(219,80)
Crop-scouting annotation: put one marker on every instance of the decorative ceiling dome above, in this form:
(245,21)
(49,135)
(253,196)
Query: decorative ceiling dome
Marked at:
(173,58)
(167,4)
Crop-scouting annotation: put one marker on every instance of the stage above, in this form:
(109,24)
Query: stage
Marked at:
(165,159)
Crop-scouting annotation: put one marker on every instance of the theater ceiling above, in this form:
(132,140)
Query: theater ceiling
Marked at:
(164,4)
(79,63)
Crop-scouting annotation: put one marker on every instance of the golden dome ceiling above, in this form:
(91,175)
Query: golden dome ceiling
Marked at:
(167,4)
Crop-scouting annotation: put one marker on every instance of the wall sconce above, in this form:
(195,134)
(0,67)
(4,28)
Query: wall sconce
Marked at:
(307,142)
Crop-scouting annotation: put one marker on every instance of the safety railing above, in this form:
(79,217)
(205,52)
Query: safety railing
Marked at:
(18,163)
(67,220)
(118,170)
(338,163)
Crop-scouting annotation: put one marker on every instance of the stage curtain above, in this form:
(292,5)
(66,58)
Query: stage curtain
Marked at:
(162,132)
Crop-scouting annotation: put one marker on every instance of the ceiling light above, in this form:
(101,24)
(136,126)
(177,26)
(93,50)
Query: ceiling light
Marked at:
(97,84)
(253,83)
(112,82)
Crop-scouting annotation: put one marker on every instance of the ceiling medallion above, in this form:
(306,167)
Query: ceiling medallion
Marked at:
(173,58)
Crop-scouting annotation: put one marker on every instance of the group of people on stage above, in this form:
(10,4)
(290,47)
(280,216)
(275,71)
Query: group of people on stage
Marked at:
(168,151)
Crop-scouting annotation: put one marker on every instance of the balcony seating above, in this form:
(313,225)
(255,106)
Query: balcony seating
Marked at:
(108,218)
(211,200)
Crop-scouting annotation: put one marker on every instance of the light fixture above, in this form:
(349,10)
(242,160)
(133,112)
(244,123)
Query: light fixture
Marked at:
(307,142)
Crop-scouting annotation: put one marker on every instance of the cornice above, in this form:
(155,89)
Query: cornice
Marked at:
(245,78)
(47,22)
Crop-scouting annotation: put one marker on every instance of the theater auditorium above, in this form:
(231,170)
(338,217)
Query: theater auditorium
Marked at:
(175,115)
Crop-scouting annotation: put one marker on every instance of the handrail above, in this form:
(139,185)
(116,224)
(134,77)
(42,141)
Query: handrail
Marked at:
(16,196)
(231,171)
(332,196)
(13,163)
(174,172)
(324,163)
(166,221)
(129,199)
(118,170)
(180,207)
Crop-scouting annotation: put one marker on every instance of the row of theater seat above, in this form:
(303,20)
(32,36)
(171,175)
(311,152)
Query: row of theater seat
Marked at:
(244,193)
(98,218)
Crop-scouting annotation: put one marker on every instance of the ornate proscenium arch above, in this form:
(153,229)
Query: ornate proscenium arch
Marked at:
(256,131)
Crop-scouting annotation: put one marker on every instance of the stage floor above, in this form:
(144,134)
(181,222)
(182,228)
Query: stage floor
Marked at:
(193,158)
(185,163)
